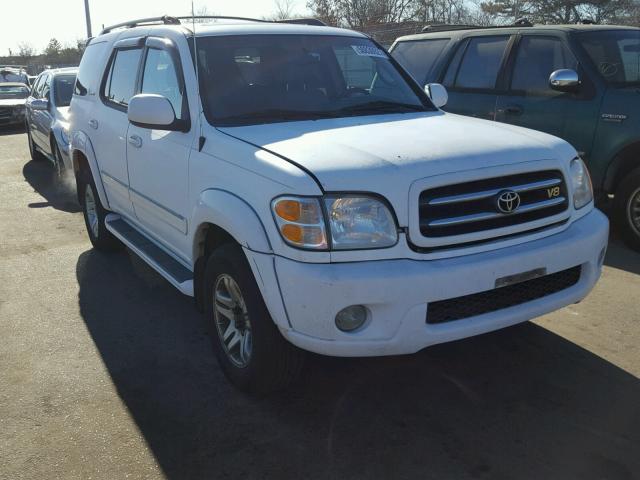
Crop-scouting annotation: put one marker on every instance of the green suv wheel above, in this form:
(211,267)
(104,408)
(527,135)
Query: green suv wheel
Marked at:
(627,209)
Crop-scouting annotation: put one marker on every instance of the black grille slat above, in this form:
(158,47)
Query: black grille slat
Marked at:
(500,298)
(432,215)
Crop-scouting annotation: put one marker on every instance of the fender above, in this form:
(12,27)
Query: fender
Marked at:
(233,214)
(80,142)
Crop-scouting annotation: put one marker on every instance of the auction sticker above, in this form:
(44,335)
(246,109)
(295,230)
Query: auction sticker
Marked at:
(368,51)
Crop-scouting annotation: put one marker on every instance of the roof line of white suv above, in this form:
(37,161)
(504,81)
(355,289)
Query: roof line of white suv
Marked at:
(230,25)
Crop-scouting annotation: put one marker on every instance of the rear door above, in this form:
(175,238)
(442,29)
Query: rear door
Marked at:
(41,119)
(530,102)
(109,125)
(472,75)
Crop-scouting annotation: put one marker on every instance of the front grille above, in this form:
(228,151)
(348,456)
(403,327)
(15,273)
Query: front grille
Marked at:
(500,298)
(473,206)
(6,112)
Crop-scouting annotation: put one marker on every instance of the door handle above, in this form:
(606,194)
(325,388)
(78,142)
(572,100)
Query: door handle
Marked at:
(512,110)
(93,124)
(135,140)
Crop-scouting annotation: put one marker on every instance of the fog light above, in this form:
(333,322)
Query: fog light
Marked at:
(351,318)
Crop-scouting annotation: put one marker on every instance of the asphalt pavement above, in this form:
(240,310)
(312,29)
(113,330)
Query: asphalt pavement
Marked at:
(106,372)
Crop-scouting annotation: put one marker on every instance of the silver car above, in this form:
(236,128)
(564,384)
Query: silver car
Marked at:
(47,117)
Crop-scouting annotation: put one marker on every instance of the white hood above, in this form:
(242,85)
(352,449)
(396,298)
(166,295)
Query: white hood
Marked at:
(385,154)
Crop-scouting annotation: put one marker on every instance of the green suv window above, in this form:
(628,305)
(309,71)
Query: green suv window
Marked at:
(480,63)
(536,59)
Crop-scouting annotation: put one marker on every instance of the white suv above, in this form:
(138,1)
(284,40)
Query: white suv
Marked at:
(310,195)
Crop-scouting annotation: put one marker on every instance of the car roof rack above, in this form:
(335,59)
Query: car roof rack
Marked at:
(444,27)
(168,20)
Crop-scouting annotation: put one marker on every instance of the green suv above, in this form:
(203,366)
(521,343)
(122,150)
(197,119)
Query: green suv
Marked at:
(578,82)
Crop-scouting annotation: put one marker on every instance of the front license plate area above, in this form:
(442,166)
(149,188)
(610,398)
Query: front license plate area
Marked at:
(520,277)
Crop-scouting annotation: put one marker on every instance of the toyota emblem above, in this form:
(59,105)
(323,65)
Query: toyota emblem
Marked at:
(507,201)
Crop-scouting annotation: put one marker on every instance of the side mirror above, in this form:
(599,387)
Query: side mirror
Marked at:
(437,93)
(39,104)
(564,80)
(153,111)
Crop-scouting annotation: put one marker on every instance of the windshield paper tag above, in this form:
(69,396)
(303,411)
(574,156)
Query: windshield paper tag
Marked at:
(368,51)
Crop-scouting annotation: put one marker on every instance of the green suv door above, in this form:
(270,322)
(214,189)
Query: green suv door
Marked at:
(529,100)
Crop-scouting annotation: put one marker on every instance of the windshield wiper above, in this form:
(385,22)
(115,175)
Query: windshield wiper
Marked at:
(273,115)
(382,106)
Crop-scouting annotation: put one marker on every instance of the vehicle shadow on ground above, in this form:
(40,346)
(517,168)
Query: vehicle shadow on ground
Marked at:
(58,194)
(12,130)
(519,403)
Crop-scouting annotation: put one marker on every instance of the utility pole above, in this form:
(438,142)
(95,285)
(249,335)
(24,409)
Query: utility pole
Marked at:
(88,17)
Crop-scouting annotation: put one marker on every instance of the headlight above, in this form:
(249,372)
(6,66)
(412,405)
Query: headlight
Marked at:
(581,182)
(300,222)
(64,133)
(357,222)
(353,222)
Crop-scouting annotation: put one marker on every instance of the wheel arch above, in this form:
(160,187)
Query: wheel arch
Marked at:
(624,162)
(83,160)
(222,217)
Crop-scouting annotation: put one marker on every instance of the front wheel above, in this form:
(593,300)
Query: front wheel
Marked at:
(627,209)
(251,351)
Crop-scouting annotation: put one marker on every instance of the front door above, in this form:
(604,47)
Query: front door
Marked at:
(472,76)
(158,159)
(531,103)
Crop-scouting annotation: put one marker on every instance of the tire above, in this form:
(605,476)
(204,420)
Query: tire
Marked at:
(36,155)
(626,209)
(94,216)
(272,363)
(59,162)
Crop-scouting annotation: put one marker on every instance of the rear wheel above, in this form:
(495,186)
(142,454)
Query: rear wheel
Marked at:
(33,150)
(251,351)
(627,209)
(94,216)
(58,161)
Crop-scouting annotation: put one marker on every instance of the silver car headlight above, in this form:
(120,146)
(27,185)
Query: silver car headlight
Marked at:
(581,182)
(359,222)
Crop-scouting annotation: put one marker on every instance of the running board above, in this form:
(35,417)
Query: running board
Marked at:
(177,274)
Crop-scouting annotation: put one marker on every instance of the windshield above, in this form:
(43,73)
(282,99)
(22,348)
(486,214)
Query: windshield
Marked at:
(63,89)
(254,79)
(615,53)
(13,91)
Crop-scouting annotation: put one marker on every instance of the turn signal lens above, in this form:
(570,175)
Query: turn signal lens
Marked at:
(300,222)
(288,210)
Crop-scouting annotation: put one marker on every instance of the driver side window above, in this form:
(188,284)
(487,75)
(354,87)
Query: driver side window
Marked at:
(160,77)
(536,59)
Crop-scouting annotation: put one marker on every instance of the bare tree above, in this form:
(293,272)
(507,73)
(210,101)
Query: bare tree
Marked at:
(26,50)
(284,10)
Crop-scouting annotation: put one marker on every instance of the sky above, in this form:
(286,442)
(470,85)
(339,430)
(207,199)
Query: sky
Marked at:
(37,21)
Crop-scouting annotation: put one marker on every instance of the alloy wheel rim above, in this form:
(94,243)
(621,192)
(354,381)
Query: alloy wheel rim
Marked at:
(633,211)
(91,209)
(232,321)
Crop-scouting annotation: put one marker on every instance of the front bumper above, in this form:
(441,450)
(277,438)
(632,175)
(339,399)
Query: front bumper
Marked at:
(397,292)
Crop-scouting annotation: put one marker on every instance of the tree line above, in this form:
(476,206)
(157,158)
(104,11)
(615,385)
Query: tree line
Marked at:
(54,54)
(361,14)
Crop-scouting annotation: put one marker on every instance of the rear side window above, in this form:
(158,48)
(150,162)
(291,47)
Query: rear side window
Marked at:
(536,59)
(120,84)
(160,77)
(419,57)
(62,89)
(90,69)
(480,63)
